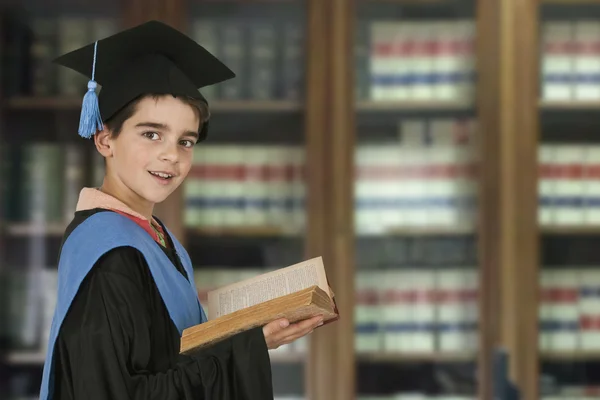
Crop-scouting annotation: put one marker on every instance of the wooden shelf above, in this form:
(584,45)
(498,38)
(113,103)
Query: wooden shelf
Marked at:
(461,356)
(425,105)
(570,230)
(251,231)
(569,105)
(26,358)
(569,356)
(28,229)
(287,358)
(38,358)
(426,231)
(74,103)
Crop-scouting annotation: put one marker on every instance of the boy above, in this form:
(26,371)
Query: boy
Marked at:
(126,290)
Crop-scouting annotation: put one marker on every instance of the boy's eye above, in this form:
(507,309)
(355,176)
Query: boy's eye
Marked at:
(151,135)
(187,143)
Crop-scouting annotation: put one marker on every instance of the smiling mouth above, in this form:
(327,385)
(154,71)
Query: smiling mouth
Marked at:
(161,175)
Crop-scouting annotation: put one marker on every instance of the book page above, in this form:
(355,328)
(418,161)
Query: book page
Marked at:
(281,282)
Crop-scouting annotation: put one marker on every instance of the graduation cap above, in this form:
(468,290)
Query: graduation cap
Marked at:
(152,58)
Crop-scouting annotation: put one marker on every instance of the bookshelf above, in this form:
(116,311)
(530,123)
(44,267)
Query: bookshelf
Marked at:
(566,106)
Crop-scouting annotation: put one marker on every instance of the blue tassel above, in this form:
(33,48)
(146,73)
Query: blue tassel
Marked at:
(90,121)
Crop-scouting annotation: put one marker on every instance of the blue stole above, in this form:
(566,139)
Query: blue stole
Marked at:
(94,237)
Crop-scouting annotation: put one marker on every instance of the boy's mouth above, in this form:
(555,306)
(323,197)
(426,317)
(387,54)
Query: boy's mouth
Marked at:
(161,175)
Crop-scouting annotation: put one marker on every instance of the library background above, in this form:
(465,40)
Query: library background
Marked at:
(441,155)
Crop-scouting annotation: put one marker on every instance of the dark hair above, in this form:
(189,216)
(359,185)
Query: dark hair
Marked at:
(115,123)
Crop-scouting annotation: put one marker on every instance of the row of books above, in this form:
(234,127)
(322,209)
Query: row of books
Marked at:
(569,184)
(416,311)
(32,44)
(266,55)
(570,60)
(233,185)
(415,60)
(569,312)
(575,392)
(426,177)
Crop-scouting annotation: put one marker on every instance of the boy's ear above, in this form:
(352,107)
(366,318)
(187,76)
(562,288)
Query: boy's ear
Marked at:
(103,142)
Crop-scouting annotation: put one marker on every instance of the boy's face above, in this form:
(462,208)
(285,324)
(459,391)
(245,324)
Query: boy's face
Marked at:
(153,153)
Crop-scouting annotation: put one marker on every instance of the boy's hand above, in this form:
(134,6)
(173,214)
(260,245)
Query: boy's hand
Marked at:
(280,331)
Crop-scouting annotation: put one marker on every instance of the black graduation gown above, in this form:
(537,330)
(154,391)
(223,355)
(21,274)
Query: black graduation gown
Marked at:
(118,342)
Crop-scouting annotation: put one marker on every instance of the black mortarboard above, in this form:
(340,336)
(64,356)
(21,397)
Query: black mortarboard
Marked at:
(152,58)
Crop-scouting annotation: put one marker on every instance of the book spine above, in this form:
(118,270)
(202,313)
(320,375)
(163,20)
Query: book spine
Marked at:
(564,311)
(587,60)
(592,185)
(262,58)
(232,50)
(557,61)
(73,181)
(43,50)
(232,188)
(298,182)
(256,186)
(412,143)
(569,185)
(382,61)
(589,309)
(546,184)
(194,190)
(423,62)
(361,60)
(545,310)
(396,311)
(278,187)
(423,311)
(206,32)
(367,329)
(293,53)
(73,34)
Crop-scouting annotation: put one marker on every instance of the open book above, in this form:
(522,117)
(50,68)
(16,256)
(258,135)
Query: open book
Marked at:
(297,292)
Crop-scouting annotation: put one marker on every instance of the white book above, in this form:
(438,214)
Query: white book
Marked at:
(592,185)
(448,63)
(546,183)
(366,312)
(215,187)
(414,151)
(361,189)
(589,308)
(423,62)
(390,215)
(232,162)
(443,190)
(382,61)
(569,185)
(423,311)
(466,39)
(196,205)
(545,310)
(74,180)
(565,312)
(587,60)
(278,188)
(396,311)
(256,186)
(298,190)
(402,58)
(557,61)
